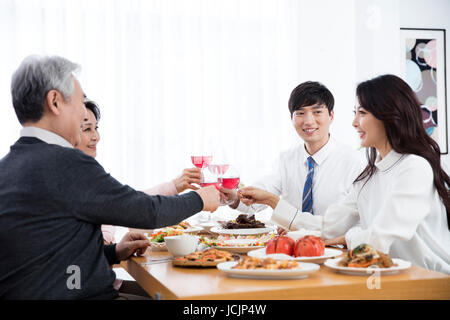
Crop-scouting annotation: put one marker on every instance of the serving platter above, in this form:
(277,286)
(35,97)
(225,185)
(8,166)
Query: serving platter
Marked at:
(221,230)
(236,249)
(203,264)
(204,258)
(237,244)
(400,265)
(302,271)
(329,253)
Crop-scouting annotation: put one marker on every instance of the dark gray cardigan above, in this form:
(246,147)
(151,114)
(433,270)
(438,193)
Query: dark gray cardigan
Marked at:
(52,202)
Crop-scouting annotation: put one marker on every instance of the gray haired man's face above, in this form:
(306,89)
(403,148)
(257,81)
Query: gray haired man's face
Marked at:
(73,114)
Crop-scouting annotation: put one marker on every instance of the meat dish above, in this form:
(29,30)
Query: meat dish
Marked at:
(243,222)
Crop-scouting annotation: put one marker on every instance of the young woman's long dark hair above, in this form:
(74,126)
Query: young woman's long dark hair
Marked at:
(391,100)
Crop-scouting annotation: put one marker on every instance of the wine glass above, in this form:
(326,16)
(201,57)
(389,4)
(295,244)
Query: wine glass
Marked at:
(210,176)
(230,180)
(201,161)
(201,155)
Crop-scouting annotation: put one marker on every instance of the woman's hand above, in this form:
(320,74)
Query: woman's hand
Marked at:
(187,178)
(230,194)
(251,195)
(336,241)
(281,231)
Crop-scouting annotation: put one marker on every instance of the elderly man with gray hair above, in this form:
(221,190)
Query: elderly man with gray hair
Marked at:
(53,197)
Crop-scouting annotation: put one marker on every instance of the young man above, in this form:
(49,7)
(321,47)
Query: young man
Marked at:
(54,197)
(317,172)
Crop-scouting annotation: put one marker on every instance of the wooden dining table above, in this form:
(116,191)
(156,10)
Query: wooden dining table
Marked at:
(161,280)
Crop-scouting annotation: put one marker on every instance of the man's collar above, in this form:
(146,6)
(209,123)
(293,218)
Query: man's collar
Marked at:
(322,154)
(45,135)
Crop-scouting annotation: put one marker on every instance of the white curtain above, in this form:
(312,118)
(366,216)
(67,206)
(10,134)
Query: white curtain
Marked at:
(173,75)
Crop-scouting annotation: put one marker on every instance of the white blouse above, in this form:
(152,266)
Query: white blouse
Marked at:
(337,166)
(398,211)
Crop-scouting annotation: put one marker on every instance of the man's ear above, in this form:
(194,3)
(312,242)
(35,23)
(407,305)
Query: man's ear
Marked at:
(332,115)
(53,101)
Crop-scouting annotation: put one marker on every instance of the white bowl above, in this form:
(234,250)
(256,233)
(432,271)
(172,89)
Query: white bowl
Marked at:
(181,245)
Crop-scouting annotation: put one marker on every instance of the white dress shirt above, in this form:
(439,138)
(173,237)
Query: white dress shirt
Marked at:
(45,135)
(337,166)
(398,211)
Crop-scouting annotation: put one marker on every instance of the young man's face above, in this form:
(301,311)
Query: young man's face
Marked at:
(312,123)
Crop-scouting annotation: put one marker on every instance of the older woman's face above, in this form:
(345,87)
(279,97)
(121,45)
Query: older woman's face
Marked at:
(89,135)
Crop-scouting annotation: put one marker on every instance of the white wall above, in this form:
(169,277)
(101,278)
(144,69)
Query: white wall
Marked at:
(431,14)
(376,33)
(339,43)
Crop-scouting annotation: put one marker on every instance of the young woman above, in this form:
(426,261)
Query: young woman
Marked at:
(399,204)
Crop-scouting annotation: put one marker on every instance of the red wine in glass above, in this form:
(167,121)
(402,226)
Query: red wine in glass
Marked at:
(215,184)
(230,183)
(201,161)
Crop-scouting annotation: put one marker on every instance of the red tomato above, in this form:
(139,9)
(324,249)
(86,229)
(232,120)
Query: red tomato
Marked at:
(281,244)
(320,244)
(309,246)
(271,246)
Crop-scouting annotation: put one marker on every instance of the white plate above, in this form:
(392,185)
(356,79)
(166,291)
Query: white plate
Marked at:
(401,265)
(239,242)
(301,271)
(207,226)
(236,249)
(239,245)
(329,253)
(221,230)
(192,230)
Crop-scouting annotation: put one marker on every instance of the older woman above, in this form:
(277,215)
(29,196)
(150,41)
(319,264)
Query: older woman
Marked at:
(89,139)
(400,203)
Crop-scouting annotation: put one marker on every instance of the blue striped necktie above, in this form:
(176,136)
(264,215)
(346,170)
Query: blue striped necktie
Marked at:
(307,201)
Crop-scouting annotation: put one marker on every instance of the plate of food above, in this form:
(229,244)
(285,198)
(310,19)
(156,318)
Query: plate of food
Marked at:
(186,227)
(329,253)
(242,225)
(221,230)
(236,243)
(255,268)
(364,259)
(208,258)
(157,238)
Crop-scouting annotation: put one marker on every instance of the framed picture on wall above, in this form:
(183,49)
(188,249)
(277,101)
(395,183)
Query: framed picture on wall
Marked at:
(423,53)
